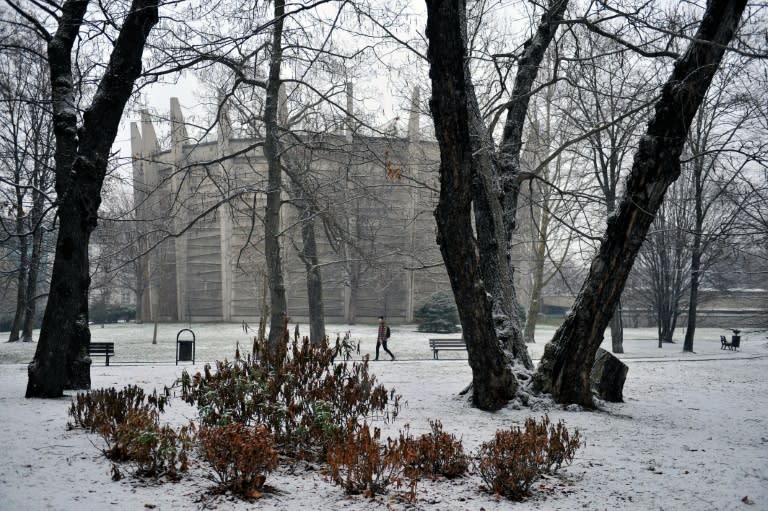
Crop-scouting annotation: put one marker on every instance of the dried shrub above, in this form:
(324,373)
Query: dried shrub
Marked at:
(299,394)
(437,453)
(102,410)
(514,459)
(361,464)
(154,450)
(239,456)
(128,421)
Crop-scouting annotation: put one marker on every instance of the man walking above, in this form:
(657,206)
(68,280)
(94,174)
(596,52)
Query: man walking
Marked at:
(381,339)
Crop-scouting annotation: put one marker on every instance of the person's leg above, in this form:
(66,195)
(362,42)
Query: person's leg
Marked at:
(378,343)
(387,350)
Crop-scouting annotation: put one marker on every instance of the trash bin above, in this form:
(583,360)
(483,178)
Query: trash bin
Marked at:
(185,348)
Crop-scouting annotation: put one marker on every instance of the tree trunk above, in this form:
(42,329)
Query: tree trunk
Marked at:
(21,291)
(308,252)
(492,380)
(568,359)
(517,110)
(693,299)
(155,320)
(43,149)
(314,280)
(23,268)
(278,304)
(617,330)
(495,267)
(34,269)
(539,255)
(507,166)
(616,324)
(494,215)
(61,359)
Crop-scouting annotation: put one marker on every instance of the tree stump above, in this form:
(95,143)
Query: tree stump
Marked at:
(608,376)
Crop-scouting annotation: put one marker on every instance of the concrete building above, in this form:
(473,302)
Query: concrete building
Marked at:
(201,203)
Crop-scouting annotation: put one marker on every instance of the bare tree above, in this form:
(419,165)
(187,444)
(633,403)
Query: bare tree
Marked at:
(82,150)
(27,151)
(662,267)
(721,148)
(610,102)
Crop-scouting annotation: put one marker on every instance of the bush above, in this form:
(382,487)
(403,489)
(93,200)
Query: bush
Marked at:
(514,459)
(128,421)
(438,314)
(300,395)
(154,451)
(362,465)
(102,410)
(438,454)
(100,312)
(239,455)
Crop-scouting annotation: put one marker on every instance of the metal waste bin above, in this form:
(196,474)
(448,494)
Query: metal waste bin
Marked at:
(185,348)
(735,338)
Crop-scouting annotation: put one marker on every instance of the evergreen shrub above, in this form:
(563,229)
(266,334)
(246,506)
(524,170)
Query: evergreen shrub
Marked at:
(438,314)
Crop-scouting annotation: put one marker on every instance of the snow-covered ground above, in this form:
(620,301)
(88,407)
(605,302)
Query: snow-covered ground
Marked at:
(692,434)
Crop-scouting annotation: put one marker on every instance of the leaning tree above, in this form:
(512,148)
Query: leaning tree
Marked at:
(565,367)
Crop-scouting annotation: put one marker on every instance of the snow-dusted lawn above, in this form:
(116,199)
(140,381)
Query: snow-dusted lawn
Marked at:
(692,434)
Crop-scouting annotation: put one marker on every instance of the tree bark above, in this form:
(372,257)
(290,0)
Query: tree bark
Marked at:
(568,359)
(617,330)
(693,299)
(34,265)
(492,380)
(495,266)
(512,136)
(23,268)
(539,256)
(507,165)
(278,304)
(314,279)
(61,359)
(308,252)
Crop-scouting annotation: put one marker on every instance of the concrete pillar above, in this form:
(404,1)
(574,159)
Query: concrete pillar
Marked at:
(414,159)
(350,124)
(179,137)
(349,133)
(149,148)
(414,128)
(139,198)
(225,213)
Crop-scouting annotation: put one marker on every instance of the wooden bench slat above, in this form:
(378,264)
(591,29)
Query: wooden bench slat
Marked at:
(105,349)
(449,344)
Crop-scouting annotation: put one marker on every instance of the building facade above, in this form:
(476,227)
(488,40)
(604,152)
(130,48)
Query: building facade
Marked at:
(199,207)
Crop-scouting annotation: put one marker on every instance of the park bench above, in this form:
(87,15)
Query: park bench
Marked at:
(733,345)
(437,345)
(105,349)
